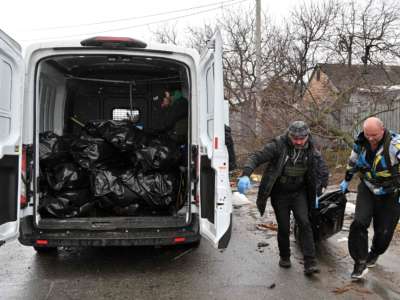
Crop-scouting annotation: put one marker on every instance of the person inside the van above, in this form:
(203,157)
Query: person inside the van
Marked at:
(294,176)
(175,115)
(376,157)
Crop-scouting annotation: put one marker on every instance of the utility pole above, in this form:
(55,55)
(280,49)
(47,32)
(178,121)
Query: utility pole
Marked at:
(258,65)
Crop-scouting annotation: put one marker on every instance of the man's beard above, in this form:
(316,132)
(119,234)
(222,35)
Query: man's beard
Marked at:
(301,147)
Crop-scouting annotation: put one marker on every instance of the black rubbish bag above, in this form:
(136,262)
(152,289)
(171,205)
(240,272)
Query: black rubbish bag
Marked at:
(67,176)
(123,135)
(66,204)
(110,191)
(90,152)
(160,154)
(53,149)
(327,219)
(157,190)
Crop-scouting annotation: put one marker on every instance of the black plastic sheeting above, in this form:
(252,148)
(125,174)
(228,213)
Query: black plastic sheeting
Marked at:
(146,150)
(66,204)
(90,152)
(123,135)
(67,176)
(158,154)
(157,190)
(53,149)
(327,220)
(113,166)
(110,191)
(122,189)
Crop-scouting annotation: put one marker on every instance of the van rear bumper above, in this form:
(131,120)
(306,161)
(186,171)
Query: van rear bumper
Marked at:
(29,235)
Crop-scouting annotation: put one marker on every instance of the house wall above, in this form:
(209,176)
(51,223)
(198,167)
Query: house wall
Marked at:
(362,105)
(349,114)
(319,89)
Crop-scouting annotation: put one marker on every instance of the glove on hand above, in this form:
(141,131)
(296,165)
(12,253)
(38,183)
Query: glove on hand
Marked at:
(344,186)
(317,202)
(243,184)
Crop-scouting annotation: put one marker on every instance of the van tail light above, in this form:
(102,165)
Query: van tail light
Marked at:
(42,242)
(23,199)
(178,240)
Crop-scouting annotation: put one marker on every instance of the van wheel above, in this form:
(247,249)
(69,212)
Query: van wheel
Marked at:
(45,250)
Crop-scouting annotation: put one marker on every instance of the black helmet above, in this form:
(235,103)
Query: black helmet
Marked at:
(298,129)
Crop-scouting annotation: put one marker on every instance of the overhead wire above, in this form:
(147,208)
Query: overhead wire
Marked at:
(133,26)
(130,18)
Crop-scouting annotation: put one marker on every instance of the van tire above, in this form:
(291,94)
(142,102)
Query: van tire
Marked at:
(45,250)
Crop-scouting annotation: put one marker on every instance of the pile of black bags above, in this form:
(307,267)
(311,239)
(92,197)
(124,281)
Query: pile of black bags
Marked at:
(112,166)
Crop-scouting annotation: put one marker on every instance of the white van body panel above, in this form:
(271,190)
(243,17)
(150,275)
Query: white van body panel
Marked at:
(197,70)
(11,90)
(212,138)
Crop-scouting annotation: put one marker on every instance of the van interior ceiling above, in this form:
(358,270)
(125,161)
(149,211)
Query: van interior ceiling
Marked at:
(104,151)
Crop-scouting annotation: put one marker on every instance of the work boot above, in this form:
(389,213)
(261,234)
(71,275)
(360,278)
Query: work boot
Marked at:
(310,267)
(371,260)
(284,262)
(359,272)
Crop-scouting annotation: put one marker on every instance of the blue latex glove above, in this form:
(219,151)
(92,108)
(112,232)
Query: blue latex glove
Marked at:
(243,184)
(344,186)
(379,192)
(317,202)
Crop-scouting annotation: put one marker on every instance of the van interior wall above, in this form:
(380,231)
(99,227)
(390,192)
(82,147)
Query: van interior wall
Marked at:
(52,94)
(63,99)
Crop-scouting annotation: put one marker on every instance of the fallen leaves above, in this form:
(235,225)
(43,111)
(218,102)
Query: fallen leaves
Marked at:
(270,226)
(351,286)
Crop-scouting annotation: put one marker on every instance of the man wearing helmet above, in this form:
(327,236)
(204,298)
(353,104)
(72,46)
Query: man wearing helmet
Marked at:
(294,176)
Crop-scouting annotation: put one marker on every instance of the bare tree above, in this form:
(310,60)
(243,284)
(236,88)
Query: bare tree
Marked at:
(369,33)
(166,34)
(199,36)
(344,40)
(309,28)
(379,29)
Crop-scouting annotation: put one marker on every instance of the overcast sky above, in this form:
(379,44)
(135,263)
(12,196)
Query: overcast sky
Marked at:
(26,20)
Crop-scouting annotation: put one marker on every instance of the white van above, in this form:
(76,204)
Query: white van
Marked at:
(59,82)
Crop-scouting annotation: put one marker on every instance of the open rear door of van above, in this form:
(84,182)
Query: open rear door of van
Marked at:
(215,192)
(11,95)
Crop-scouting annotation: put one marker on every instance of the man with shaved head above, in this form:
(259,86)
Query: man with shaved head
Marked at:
(375,156)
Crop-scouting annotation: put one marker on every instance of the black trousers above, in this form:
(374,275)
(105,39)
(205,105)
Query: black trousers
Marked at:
(384,211)
(284,202)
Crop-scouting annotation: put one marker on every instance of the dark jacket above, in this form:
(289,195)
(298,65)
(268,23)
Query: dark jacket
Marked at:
(231,148)
(275,154)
